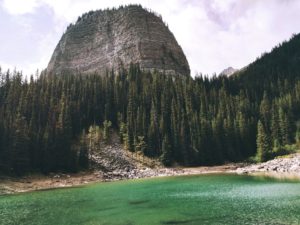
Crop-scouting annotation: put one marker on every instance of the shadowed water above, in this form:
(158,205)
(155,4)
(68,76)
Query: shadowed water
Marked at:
(205,199)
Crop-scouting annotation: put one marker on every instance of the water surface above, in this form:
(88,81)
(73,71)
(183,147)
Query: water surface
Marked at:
(205,199)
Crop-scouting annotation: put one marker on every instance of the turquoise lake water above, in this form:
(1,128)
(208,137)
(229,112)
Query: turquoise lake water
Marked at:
(204,199)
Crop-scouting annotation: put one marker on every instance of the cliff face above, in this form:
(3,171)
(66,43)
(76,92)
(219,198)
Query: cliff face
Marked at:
(111,39)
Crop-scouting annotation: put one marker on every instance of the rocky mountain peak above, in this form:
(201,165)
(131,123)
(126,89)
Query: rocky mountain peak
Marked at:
(112,39)
(228,71)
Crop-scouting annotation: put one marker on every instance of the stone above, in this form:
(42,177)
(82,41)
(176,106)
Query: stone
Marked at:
(103,40)
(288,164)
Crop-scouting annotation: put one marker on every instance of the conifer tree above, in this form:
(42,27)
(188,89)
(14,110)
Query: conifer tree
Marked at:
(265,111)
(262,141)
(166,157)
(83,158)
(130,121)
(182,115)
(20,146)
(106,130)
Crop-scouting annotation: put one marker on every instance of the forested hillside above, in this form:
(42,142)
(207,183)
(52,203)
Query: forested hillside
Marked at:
(46,122)
(283,62)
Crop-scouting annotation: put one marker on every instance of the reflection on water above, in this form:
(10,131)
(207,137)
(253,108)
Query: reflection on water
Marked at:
(288,177)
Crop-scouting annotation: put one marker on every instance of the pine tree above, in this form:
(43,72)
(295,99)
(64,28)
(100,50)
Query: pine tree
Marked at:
(262,141)
(141,145)
(83,158)
(106,130)
(130,121)
(185,140)
(94,138)
(122,131)
(275,126)
(166,157)
(183,117)
(63,137)
(297,138)
(284,127)
(175,132)
(20,146)
(153,133)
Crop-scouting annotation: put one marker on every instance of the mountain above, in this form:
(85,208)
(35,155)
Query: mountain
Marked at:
(282,63)
(229,71)
(112,39)
(55,123)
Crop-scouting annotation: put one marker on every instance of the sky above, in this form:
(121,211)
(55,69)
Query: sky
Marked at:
(214,34)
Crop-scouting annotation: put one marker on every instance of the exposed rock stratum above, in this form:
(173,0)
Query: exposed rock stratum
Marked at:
(112,39)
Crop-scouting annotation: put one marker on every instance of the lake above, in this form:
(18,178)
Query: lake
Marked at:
(203,199)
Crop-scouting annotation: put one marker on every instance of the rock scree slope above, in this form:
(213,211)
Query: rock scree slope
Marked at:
(114,38)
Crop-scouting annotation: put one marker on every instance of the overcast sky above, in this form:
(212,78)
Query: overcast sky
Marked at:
(214,34)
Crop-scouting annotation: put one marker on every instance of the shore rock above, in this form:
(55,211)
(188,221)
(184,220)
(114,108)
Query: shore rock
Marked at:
(290,164)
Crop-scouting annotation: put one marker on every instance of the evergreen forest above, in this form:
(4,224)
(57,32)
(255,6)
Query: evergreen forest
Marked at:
(45,120)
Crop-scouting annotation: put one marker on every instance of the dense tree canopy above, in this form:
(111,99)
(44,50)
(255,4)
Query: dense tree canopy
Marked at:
(182,120)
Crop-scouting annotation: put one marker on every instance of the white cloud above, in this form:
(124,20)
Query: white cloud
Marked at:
(27,69)
(214,34)
(17,7)
(4,67)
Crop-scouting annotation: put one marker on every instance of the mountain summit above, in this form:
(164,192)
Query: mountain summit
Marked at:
(228,71)
(112,39)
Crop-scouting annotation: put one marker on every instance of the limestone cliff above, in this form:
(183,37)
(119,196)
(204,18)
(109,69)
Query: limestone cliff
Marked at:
(110,39)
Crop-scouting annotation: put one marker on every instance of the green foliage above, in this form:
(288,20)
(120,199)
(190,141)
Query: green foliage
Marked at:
(166,156)
(141,145)
(122,132)
(263,143)
(19,149)
(94,138)
(277,148)
(52,122)
(106,130)
(297,138)
(83,158)
(288,149)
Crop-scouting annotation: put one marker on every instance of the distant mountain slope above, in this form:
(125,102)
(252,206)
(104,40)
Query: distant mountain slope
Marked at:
(283,62)
(228,71)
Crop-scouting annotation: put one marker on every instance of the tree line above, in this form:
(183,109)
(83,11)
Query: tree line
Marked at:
(179,120)
(52,122)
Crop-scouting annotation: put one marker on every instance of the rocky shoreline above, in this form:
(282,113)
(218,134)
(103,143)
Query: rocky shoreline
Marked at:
(283,167)
(286,164)
(165,172)
(34,182)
